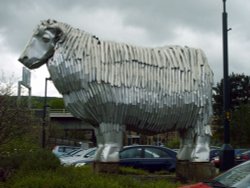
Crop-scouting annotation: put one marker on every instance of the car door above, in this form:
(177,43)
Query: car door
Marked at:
(156,159)
(131,157)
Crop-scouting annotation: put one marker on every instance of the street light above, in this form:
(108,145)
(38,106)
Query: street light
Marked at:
(44,113)
(227,154)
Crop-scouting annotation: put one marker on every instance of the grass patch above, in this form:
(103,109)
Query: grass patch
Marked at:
(132,171)
(70,177)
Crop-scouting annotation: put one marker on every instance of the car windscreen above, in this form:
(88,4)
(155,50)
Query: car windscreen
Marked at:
(237,177)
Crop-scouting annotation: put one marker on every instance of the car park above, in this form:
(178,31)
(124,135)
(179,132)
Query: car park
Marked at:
(147,157)
(237,177)
(59,150)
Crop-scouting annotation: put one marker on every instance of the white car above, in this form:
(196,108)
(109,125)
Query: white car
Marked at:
(81,155)
(62,149)
(83,162)
(71,153)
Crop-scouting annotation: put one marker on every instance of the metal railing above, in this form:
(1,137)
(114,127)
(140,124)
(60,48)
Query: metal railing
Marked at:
(59,111)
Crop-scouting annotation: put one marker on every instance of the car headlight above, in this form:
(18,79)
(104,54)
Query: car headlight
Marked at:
(79,164)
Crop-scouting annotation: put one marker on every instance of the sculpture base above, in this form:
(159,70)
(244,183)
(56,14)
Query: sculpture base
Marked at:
(106,167)
(187,171)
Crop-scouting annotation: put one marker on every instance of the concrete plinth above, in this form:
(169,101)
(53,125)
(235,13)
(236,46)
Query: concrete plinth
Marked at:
(106,167)
(194,171)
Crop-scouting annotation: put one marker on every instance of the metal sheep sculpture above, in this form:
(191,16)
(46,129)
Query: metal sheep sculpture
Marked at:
(116,86)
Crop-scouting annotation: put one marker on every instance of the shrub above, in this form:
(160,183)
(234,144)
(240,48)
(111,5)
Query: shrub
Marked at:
(48,179)
(19,144)
(10,163)
(33,160)
(40,159)
(21,161)
(174,143)
(12,160)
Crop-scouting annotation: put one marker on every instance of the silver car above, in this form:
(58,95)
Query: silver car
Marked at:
(81,155)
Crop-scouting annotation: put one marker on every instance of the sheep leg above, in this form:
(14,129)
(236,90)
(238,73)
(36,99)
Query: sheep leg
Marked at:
(110,142)
(201,149)
(186,145)
(100,143)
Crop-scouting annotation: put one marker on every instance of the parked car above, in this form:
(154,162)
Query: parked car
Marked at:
(242,157)
(82,155)
(237,153)
(71,153)
(214,147)
(237,177)
(87,160)
(62,149)
(147,157)
(216,161)
(214,153)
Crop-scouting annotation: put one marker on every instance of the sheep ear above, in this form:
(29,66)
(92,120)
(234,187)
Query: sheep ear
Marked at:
(59,34)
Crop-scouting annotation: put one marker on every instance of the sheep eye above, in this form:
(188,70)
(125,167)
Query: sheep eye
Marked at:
(46,38)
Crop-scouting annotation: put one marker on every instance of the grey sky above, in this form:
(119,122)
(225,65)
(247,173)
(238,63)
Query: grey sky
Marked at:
(195,23)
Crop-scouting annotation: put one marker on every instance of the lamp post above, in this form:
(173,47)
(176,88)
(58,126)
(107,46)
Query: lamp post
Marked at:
(227,154)
(44,113)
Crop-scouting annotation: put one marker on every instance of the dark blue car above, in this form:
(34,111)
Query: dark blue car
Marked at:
(147,157)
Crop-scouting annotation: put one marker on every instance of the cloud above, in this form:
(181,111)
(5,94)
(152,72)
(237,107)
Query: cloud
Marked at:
(196,23)
(8,60)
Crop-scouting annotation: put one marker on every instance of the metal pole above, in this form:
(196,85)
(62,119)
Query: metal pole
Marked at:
(227,154)
(20,83)
(19,93)
(29,99)
(226,96)
(44,114)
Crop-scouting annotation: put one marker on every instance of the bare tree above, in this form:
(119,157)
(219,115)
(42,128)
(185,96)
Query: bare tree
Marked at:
(15,121)
(7,85)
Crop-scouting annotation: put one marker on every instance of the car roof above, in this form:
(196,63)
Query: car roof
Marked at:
(247,151)
(151,146)
(138,145)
